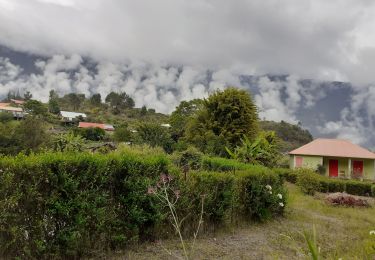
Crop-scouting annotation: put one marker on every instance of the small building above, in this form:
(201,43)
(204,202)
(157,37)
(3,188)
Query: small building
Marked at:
(16,111)
(71,116)
(106,127)
(17,101)
(339,158)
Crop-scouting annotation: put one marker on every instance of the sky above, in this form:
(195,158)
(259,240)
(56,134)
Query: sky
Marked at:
(162,52)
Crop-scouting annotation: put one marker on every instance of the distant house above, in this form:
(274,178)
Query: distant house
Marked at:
(17,101)
(340,158)
(16,111)
(94,125)
(70,116)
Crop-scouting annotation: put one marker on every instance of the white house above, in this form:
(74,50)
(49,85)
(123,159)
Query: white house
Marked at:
(70,116)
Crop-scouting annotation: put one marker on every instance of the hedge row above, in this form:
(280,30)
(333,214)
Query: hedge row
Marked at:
(311,182)
(67,205)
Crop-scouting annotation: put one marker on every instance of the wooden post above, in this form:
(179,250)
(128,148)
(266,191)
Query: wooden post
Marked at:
(349,168)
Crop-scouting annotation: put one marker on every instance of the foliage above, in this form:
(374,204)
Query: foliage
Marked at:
(263,150)
(155,135)
(35,107)
(30,135)
(27,96)
(311,182)
(292,136)
(5,117)
(190,159)
(119,100)
(307,181)
(96,99)
(122,134)
(91,133)
(68,142)
(53,104)
(226,116)
(180,117)
(67,205)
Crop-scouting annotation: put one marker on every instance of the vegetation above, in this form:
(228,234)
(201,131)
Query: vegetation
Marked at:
(78,202)
(59,201)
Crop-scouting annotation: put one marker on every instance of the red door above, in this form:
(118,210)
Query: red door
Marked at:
(357,168)
(333,168)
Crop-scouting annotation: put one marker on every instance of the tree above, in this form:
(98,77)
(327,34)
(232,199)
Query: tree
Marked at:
(30,135)
(35,107)
(180,117)
(75,100)
(143,111)
(122,134)
(119,100)
(226,116)
(92,133)
(96,99)
(155,135)
(68,142)
(53,103)
(27,96)
(263,150)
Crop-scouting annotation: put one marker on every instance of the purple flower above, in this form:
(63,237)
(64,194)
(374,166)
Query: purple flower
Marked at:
(151,190)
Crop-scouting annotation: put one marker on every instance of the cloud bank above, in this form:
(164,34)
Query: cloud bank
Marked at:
(162,52)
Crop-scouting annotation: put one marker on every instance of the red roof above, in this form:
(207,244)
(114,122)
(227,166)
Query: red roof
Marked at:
(334,148)
(18,102)
(94,125)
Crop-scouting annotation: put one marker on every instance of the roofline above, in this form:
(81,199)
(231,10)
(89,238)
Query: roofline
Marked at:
(322,155)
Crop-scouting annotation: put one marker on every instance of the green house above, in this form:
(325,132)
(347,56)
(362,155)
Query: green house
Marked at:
(337,158)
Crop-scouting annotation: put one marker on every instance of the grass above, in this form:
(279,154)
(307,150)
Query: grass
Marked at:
(341,232)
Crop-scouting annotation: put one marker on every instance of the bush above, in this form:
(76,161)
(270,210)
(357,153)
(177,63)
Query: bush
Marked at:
(223,165)
(308,181)
(243,195)
(358,188)
(286,174)
(190,159)
(92,133)
(68,205)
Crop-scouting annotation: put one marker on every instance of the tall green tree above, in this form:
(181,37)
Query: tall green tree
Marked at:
(27,96)
(119,100)
(96,99)
(180,117)
(225,118)
(35,107)
(53,102)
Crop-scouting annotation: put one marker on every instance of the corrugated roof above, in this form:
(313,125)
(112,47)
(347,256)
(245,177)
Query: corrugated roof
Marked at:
(102,126)
(71,114)
(334,148)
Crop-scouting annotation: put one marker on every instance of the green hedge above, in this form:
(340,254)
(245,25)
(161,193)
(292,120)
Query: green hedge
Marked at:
(311,182)
(243,195)
(59,205)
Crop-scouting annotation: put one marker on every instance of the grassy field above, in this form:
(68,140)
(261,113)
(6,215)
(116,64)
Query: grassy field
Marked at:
(341,233)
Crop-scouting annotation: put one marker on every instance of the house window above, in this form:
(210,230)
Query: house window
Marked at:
(299,161)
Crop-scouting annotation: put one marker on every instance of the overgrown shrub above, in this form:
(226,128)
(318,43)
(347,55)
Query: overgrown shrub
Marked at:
(190,159)
(286,174)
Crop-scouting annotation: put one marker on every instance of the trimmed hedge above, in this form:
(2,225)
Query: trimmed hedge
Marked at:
(226,165)
(67,205)
(311,182)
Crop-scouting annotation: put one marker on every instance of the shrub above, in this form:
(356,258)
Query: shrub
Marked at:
(286,174)
(308,181)
(190,159)
(373,190)
(67,205)
(358,188)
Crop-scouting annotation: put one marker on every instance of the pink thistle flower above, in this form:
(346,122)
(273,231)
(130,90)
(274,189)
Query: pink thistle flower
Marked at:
(151,190)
